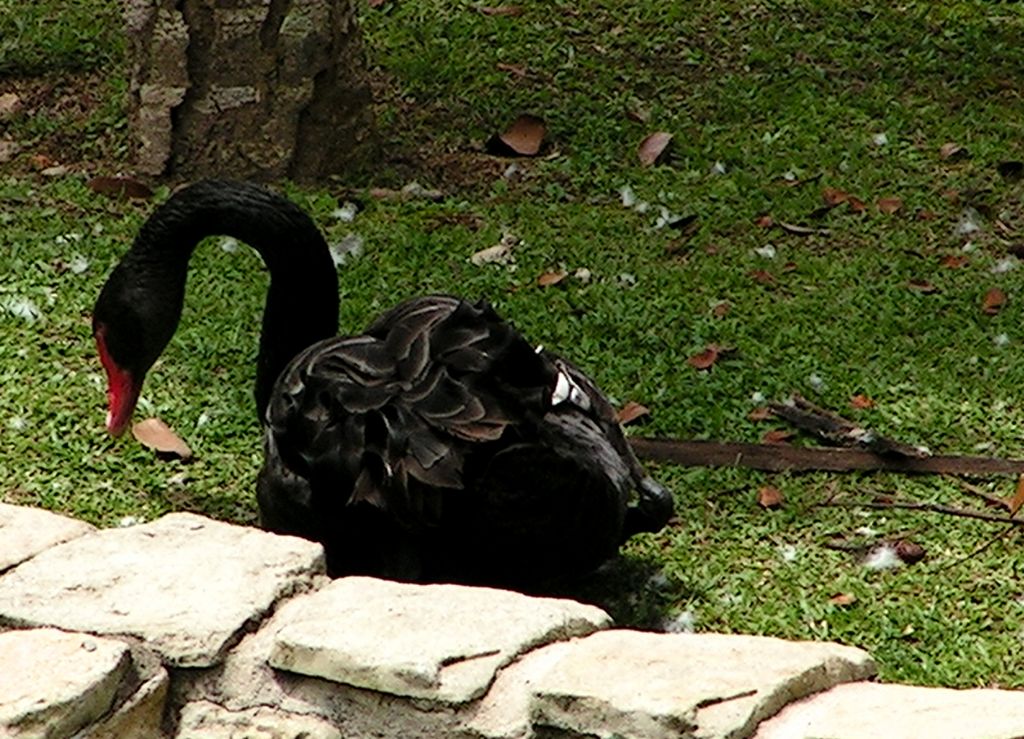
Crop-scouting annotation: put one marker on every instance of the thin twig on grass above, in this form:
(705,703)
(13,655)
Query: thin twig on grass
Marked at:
(783,458)
(989,498)
(835,429)
(913,505)
(1001,535)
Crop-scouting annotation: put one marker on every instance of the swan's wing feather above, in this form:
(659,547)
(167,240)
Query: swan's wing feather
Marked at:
(395,412)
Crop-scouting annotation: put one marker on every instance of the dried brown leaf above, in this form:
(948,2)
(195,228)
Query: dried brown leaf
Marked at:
(952,150)
(769,497)
(993,301)
(1017,501)
(922,286)
(762,276)
(632,411)
(522,138)
(706,359)
(721,309)
(518,70)
(856,205)
(653,147)
(889,205)
(120,187)
(861,402)
(833,197)
(506,10)
(552,278)
(926,215)
(156,435)
(777,436)
(909,552)
(761,413)
(843,599)
(954,261)
(764,221)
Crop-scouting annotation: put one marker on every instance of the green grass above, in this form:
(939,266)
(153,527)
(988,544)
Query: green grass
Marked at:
(769,90)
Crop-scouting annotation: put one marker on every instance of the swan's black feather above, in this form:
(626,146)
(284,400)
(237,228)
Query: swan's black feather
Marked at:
(437,444)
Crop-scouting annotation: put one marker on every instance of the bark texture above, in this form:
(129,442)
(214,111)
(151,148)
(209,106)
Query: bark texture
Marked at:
(258,89)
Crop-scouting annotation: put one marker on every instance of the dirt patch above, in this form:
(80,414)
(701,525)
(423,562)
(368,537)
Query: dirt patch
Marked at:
(70,119)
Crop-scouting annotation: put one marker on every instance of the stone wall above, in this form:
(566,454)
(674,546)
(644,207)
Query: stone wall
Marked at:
(188,627)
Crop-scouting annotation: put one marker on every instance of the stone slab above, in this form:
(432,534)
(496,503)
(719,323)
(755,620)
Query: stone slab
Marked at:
(865,710)
(139,712)
(684,685)
(246,682)
(53,683)
(185,584)
(442,642)
(206,720)
(25,532)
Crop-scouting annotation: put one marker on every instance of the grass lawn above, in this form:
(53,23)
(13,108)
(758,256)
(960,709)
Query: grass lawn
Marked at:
(770,103)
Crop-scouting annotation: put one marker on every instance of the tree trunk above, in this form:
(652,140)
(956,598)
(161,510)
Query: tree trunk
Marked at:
(258,89)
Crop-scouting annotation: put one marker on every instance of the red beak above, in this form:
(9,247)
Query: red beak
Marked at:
(122,390)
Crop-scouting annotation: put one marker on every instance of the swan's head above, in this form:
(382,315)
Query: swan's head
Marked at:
(132,322)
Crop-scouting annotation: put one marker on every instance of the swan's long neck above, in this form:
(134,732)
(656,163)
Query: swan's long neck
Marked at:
(302,301)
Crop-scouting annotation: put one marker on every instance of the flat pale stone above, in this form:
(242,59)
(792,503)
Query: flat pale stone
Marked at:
(443,642)
(206,720)
(185,584)
(870,710)
(25,532)
(631,683)
(505,711)
(53,683)
(140,715)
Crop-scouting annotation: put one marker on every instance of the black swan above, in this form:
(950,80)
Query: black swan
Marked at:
(437,445)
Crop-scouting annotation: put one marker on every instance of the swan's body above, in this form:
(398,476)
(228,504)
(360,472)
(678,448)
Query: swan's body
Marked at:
(437,445)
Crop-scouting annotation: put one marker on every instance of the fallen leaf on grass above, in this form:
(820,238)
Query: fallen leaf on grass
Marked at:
(762,276)
(833,197)
(523,138)
(552,278)
(764,221)
(952,151)
(954,261)
(769,497)
(516,69)
(909,552)
(506,10)
(889,205)
(856,205)
(777,436)
(761,413)
(861,402)
(1017,500)
(706,359)
(632,411)
(993,301)
(120,187)
(156,435)
(926,215)
(922,286)
(843,599)
(721,309)
(653,147)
